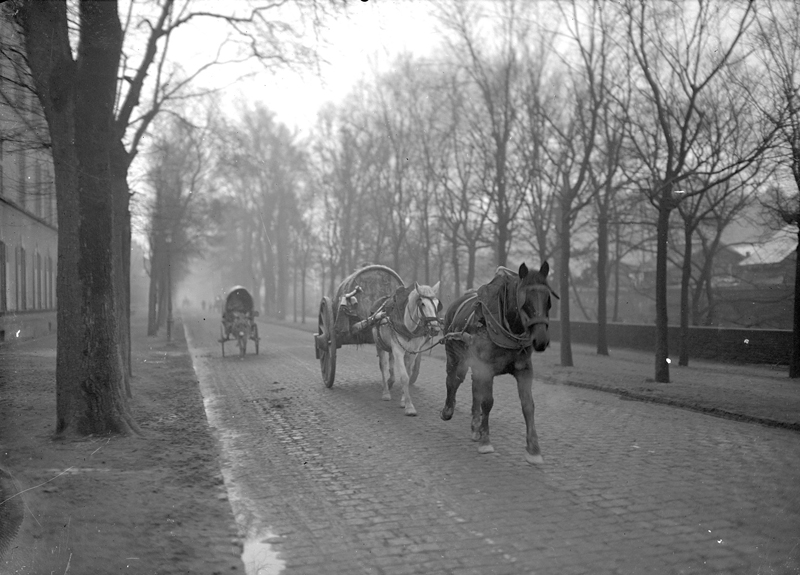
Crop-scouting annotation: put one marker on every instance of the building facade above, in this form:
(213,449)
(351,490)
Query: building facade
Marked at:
(28,221)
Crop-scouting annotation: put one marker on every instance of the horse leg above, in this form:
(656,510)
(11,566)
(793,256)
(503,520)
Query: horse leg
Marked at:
(524,385)
(384,359)
(456,372)
(482,402)
(402,374)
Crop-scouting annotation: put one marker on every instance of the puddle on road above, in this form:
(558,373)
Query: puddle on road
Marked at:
(258,555)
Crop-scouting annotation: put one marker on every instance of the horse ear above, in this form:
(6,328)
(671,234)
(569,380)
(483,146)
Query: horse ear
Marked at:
(436,288)
(545,269)
(416,287)
(523,270)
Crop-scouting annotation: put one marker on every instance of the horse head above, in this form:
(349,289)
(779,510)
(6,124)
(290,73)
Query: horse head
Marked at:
(424,307)
(533,303)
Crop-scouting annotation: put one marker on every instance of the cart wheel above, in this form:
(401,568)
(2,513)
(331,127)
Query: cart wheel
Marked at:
(414,371)
(326,342)
(255,336)
(222,338)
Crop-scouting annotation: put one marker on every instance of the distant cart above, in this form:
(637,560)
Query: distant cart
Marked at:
(238,320)
(346,320)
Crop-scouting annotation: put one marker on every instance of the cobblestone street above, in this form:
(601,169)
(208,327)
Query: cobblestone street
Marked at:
(338,481)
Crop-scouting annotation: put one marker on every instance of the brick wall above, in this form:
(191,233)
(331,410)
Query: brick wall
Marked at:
(744,345)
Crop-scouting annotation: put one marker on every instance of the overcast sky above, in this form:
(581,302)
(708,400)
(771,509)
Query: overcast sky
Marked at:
(366,36)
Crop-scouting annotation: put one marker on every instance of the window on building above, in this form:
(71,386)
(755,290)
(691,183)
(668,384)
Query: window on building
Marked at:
(51,300)
(38,281)
(22,283)
(3,284)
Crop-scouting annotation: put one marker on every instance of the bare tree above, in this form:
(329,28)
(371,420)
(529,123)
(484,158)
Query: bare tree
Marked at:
(92,111)
(778,40)
(495,73)
(182,209)
(680,51)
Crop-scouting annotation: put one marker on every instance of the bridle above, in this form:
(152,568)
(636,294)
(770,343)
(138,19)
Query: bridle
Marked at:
(540,316)
(431,324)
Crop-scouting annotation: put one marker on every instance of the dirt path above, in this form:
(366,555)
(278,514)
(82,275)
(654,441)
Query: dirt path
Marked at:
(154,504)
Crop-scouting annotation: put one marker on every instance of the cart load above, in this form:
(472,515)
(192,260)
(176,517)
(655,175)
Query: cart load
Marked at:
(346,319)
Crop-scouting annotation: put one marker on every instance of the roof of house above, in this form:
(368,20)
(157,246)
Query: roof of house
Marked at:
(774,249)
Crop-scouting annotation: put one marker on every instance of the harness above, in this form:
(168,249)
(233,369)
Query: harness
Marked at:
(489,307)
(395,308)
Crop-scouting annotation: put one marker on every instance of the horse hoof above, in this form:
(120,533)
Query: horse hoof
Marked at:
(485,449)
(411,413)
(446,415)
(386,397)
(534,459)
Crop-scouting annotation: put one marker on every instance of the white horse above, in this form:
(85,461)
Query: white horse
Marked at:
(411,321)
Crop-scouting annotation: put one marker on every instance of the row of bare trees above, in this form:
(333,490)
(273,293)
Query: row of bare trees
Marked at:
(101,78)
(538,131)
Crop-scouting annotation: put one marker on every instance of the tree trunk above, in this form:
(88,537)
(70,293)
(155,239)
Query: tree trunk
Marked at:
(686,276)
(794,361)
(456,267)
(563,281)
(471,255)
(617,257)
(662,332)
(602,280)
(303,289)
(78,101)
(152,297)
(122,258)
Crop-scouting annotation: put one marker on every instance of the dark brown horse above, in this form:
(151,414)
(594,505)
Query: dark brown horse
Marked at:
(493,331)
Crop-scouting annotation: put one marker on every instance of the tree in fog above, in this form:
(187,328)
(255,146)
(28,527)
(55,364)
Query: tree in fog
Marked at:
(725,205)
(463,209)
(533,163)
(609,170)
(573,124)
(183,213)
(778,43)
(680,50)
(260,168)
(731,136)
(89,92)
(494,68)
(347,162)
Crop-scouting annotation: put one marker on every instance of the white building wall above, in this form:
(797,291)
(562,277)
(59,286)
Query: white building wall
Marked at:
(28,226)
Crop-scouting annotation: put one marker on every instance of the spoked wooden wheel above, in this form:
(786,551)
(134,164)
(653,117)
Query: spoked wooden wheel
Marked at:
(326,342)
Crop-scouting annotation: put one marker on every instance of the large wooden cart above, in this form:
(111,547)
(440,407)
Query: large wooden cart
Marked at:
(346,319)
(238,320)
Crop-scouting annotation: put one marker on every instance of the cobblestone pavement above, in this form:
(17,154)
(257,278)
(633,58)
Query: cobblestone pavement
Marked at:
(338,481)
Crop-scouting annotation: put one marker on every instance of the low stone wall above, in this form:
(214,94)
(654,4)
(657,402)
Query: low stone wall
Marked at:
(772,346)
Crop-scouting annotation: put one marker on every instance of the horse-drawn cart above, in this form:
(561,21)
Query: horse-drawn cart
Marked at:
(238,320)
(346,320)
